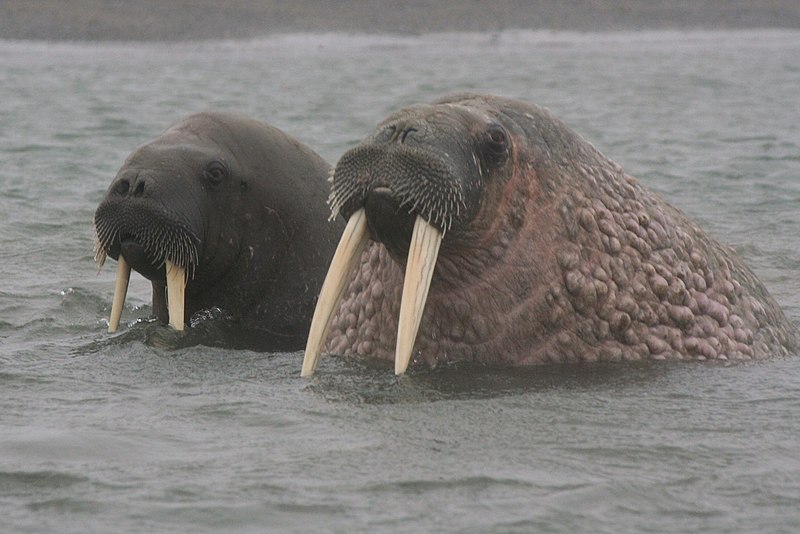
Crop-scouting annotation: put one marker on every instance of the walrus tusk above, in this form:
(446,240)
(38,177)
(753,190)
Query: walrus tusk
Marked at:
(176,283)
(422,254)
(345,259)
(120,291)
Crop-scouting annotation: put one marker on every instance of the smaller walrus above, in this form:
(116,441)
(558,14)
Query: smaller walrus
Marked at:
(222,211)
(522,244)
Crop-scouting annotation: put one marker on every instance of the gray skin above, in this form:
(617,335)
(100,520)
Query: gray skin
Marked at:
(241,205)
(554,254)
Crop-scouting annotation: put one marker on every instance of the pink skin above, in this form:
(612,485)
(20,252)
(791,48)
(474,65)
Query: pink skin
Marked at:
(567,259)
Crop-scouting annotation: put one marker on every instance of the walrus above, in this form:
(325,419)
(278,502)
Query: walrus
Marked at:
(222,211)
(483,229)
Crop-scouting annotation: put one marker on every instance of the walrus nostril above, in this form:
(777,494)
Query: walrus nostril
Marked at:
(397,133)
(123,187)
(139,190)
(405,133)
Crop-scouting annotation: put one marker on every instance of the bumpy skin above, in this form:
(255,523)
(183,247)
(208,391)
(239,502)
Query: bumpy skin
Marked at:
(241,205)
(565,258)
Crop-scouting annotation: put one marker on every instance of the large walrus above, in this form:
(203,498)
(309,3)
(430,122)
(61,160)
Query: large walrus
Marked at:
(222,211)
(547,252)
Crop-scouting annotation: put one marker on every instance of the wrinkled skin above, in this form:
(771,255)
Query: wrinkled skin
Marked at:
(554,254)
(240,205)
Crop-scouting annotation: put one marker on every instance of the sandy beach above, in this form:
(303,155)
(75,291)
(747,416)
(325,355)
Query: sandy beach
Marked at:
(177,20)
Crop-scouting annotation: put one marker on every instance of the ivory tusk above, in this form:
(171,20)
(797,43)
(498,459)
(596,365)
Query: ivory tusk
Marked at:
(120,291)
(422,254)
(345,259)
(176,284)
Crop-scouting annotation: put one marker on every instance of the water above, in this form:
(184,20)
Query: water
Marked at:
(145,432)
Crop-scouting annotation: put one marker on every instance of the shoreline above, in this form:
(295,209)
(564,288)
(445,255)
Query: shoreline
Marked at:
(322,39)
(205,20)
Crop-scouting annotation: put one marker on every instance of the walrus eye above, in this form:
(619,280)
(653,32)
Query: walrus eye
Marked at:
(496,140)
(215,172)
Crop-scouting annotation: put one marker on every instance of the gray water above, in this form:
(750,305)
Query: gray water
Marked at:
(151,431)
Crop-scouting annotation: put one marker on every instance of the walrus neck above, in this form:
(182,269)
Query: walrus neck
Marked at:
(472,317)
(492,241)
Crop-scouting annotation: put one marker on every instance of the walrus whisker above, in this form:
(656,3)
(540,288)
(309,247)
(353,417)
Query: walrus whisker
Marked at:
(100,258)
(103,236)
(176,254)
(345,259)
(341,195)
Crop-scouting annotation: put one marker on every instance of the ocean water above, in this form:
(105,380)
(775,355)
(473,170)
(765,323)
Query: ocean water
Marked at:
(148,430)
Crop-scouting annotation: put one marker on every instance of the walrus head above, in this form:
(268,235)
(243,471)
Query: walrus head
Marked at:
(174,214)
(408,168)
(151,219)
(428,178)
(222,211)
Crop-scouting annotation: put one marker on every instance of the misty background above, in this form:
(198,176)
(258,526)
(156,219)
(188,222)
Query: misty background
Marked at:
(178,20)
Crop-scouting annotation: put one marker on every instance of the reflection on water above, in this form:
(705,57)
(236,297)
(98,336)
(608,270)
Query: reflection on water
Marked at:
(370,382)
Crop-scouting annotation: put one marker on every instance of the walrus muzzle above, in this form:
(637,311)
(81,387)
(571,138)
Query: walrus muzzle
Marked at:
(155,247)
(386,189)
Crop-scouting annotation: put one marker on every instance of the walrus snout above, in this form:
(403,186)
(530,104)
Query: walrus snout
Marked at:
(424,181)
(134,187)
(146,235)
(144,238)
